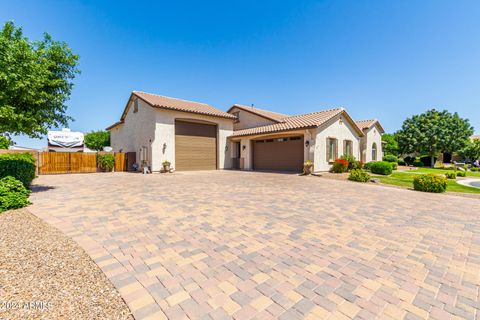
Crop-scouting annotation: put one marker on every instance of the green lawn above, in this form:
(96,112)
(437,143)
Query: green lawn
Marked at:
(405,179)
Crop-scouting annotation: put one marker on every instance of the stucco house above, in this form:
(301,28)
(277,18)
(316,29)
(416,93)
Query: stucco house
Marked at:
(197,136)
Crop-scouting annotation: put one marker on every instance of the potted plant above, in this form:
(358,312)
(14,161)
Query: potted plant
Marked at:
(106,162)
(308,167)
(166,165)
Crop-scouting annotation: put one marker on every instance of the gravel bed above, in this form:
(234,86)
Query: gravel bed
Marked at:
(45,275)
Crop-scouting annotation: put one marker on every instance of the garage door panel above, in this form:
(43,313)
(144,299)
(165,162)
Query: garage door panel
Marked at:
(195,146)
(278,155)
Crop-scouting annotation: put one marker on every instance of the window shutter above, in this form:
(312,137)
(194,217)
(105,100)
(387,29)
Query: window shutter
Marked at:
(328,150)
(336,150)
(345,142)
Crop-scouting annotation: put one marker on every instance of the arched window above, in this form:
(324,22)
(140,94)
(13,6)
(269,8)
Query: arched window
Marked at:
(374,152)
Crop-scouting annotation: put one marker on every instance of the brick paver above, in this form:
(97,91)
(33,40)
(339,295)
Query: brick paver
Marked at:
(241,245)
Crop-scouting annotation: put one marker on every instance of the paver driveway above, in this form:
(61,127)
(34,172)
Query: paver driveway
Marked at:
(245,245)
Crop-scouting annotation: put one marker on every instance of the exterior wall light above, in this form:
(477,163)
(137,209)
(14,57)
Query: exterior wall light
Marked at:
(244,147)
(164,147)
(307,143)
(226,147)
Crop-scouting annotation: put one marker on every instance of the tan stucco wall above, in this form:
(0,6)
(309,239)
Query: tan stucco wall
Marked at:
(372,135)
(334,129)
(248,120)
(136,132)
(153,127)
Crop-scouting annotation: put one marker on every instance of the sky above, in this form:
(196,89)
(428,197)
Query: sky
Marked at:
(378,59)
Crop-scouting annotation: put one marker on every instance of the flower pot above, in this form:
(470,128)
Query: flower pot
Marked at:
(307,170)
(166,168)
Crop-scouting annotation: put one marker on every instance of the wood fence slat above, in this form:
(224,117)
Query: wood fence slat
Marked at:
(67,162)
(120,162)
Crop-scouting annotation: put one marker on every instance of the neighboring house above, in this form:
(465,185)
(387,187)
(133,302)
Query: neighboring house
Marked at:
(197,136)
(371,142)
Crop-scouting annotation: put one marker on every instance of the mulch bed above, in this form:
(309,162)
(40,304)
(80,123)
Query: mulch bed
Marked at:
(45,275)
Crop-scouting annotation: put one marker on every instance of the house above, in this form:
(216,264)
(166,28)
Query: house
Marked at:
(371,142)
(197,136)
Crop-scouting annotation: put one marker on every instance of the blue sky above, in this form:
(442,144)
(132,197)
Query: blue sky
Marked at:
(378,59)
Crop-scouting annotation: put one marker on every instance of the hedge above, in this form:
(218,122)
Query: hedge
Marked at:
(381,167)
(13,194)
(21,166)
(430,183)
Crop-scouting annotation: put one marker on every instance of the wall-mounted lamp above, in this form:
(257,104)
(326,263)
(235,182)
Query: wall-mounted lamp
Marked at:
(226,147)
(164,147)
(341,120)
(244,147)
(307,143)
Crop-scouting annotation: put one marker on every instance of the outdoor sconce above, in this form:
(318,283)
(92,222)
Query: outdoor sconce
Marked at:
(307,143)
(164,147)
(226,147)
(244,147)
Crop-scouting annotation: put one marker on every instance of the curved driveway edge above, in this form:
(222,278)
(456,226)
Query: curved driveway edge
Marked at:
(245,245)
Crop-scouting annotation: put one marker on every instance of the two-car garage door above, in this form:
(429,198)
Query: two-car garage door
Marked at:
(279,154)
(195,146)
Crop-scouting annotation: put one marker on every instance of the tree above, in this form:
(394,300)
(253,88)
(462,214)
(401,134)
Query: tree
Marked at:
(471,151)
(391,145)
(5,142)
(433,132)
(96,140)
(35,82)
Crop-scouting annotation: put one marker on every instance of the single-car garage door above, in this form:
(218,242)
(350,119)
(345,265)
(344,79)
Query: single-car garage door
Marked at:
(195,146)
(280,154)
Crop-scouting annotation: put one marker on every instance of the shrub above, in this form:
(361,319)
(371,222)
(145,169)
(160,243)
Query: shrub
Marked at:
(451,175)
(106,161)
(351,161)
(381,167)
(461,173)
(401,162)
(418,163)
(390,158)
(430,183)
(359,175)
(394,165)
(367,165)
(473,169)
(13,194)
(340,165)
(21,166)
(439,165)
(409,160)
(357,165)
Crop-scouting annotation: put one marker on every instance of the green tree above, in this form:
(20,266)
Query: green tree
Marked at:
(5,142)
(35,82)
(433,132)
(471,152)
(96,140)
(391,145)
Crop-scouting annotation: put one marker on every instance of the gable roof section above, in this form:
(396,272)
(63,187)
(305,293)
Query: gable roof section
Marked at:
(303,121)
(168,103)
(270,115)
(367,124)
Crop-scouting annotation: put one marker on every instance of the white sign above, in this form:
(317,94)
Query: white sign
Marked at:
(65,138)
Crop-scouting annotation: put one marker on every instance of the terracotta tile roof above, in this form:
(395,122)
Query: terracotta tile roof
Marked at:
(367,124)
(303,121)
(274,116)
(181,105)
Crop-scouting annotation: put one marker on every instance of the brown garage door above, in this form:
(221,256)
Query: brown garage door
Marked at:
(280,154)
(195,146)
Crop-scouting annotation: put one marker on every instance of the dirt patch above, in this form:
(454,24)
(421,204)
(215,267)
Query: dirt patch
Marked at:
(44,274)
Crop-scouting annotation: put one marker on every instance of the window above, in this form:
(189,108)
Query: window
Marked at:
(135,105)
(374,152)
(331,149)
(295,138)
(269,140)
(282,139)
(347,147)
(237,116)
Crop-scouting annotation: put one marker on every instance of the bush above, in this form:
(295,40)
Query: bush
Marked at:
(439,165)
(381,167)
(394,165)
(461,173)
(359,175)
(106,161)
(367,165)
(409,160)
(13,194)
(357,165)
(351,161)
(451,175)
(340,165)
(473,169)
(430,183)
(401,162)
(21,166)
(418,163)
(390,158)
